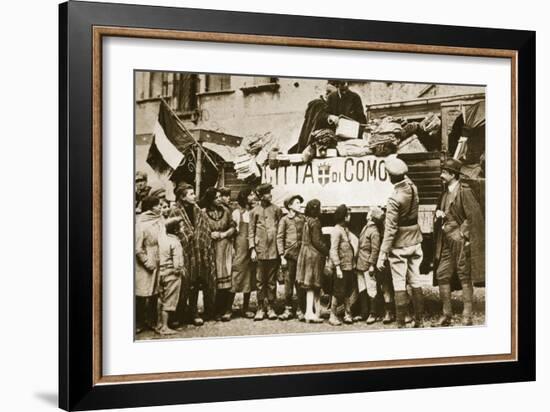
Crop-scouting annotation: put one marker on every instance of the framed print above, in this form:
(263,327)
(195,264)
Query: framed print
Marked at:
(257,205)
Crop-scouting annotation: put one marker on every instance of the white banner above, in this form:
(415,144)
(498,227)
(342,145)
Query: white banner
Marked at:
(358,182)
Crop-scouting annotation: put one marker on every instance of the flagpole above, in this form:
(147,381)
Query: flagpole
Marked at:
(184,129)
(198,173)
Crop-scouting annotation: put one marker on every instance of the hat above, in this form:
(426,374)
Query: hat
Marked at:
(290,199)
(395,166)
(141,176)
(159,192)
(340,213)
(313,208)
(264,189)
(452,165)
(225,191)
(376,212)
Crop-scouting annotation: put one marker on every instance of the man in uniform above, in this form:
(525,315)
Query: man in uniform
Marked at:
(262,242)
(459,241)
(402,242)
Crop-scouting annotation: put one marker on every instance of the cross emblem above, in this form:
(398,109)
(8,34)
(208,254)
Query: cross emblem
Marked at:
(323,173)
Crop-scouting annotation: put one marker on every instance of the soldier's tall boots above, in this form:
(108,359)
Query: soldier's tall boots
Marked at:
(418,302)
(467,297)
(410,308)
(401,307)
(445,296)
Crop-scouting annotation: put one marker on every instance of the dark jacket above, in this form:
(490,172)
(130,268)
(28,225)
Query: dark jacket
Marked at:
(348,104)
(315,118)
(289,236)
(463,218)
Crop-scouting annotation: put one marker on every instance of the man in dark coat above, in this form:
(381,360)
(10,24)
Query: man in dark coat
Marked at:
(315,118)
(459,230)
(346,103)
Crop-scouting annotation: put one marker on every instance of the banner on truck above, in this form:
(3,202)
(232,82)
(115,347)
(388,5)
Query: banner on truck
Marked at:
(356,181)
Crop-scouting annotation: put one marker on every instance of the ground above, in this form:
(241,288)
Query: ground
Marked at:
(239,326)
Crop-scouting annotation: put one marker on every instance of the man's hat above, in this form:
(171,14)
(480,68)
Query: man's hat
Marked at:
(290,199)
(159,192)
(225,191)
(340,213)
(264,189)
(376,212)
(141,176)
(395,166)
(452,165)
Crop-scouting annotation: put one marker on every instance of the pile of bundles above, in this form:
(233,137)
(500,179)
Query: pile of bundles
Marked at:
(321,140)
(383,139)
(354,148)
(246,165)
(255,143)
(394,135)
(246,168)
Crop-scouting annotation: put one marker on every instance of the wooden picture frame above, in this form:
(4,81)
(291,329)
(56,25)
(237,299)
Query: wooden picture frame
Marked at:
(82,28)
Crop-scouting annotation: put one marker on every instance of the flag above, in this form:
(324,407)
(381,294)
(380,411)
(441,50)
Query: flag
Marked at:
(169,143)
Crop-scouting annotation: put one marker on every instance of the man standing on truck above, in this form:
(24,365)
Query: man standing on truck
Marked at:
(262,242)
(402,242)
(459,241)
(346,103)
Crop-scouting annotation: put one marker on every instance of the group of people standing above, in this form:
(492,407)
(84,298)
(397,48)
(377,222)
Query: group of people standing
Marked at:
(189,246)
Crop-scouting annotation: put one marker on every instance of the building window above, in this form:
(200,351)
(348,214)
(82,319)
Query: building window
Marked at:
(185,92)
(258,80)
(217,82)
(261,84)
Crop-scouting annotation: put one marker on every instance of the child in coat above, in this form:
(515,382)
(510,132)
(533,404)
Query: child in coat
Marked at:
(171,274)
(373,281)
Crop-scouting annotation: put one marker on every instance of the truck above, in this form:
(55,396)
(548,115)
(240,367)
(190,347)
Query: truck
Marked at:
(362,182)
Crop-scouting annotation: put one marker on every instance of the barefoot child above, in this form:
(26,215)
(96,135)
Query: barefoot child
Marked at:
(171,273)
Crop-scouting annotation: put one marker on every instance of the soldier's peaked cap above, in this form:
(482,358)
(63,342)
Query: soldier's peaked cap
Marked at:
(395,166)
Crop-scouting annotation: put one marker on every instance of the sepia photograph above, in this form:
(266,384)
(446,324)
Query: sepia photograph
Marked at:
(269,205)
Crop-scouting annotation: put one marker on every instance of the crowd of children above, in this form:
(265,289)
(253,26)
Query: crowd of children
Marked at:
(252,247)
